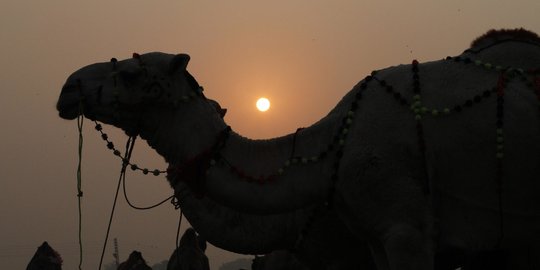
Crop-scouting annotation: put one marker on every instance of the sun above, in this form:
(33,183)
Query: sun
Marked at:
(263,104)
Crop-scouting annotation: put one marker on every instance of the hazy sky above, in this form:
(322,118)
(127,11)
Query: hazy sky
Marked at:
(304,55)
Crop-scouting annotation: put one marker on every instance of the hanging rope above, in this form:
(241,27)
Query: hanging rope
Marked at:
(127,155)
(80,121)
(129,151)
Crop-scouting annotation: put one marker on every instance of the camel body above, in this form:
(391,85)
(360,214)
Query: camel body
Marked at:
(469,184)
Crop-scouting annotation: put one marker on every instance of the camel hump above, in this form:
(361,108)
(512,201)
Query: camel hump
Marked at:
(493,36)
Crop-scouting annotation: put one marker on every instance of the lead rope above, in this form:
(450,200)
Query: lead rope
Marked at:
(80,121)
(125,161)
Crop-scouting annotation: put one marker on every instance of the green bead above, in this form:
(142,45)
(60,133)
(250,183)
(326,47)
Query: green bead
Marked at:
(304,160)
(280,171)
(418,117)
(345,131)
(212,162)
(434,112)
(500,155)
(499,68)
(314,158)
(349,121)
(446,111)
(287,163)
(294,160)
(499,131)
(341,142)
(477,62)
(488,65)
(350,113)
(417,97)
(500,139)
(424,110)
(500,147)
(185,98)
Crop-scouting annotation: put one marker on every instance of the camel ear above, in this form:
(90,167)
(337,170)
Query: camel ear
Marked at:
(179,62)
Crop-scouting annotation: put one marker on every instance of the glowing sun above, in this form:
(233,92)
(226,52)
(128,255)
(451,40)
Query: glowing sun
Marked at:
(263,104)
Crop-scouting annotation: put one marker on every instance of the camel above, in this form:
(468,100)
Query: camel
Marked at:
(190,253)
(45,258)
(135,261)
(414,159)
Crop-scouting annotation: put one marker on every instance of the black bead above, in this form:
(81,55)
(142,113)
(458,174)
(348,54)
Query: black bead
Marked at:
(468,103)
(339,153)
(363,85)
(486,93)
(449,58)
(368,78)
(358,95)
(389,88)
(110,145)
(104,136)
(99,127)
(397,95)
(467,60)
(457,108)
(457,58)
(382,83)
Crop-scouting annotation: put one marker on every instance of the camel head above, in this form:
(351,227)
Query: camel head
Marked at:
(136,93)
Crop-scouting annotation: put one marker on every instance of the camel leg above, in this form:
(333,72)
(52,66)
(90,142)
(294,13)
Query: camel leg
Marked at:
(408,248)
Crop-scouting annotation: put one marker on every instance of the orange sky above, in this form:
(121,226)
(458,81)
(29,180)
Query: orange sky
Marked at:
(303,55)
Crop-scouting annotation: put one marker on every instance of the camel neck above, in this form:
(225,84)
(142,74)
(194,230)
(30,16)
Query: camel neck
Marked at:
(274,175)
